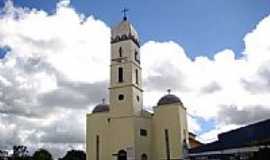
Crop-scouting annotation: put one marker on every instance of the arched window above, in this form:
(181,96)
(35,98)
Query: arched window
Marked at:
(122,155)
(120,75)
(137,76)
(144,157)
(138,98)
(120,52)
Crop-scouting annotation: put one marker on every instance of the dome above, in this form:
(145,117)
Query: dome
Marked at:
(101,108)
(169,99)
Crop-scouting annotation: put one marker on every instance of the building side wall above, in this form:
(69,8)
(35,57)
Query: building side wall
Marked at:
(128,63)
(143,144)
(121,134)
(168,117)
(120,108)
(96,124)
(183,121)
(130,105)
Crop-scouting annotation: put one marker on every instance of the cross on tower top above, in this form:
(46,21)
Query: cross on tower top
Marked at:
(169,91)
(124,11)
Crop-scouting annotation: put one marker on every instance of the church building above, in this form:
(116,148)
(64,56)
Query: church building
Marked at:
(123,129)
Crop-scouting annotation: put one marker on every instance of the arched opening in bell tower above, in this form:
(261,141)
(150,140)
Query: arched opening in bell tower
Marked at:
(136,57)
(136,76)
(120,75)
(120,52)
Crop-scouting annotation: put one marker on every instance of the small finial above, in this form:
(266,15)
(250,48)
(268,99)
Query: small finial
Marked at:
(103,100)
(125,10)
(169,91)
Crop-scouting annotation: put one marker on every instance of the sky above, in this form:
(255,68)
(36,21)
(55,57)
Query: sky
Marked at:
(214,55)
(201,27)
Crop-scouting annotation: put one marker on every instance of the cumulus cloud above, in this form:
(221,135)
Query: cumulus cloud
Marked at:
(210,88)
(260,83)
(78,94)
(247,115)
(49,78)
(207,85)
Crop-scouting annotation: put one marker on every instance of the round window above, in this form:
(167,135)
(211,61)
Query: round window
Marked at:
(121,97)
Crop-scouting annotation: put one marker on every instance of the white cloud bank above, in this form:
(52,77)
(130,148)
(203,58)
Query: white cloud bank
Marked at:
(57,69)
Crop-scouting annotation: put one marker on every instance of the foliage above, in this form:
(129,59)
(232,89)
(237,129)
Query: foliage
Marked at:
(42,154)
(20,152)
(3,154)
(74,155)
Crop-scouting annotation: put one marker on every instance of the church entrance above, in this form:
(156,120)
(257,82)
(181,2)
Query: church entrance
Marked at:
(122,155)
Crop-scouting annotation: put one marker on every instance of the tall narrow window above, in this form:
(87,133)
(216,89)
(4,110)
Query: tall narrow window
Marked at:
(137,76)
(136,57)
(120,52)
(167,142)
(97,147)
(120,75)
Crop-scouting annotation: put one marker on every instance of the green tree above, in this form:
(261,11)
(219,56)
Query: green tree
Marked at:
(42,154)
(20,152)
(3,154)
(74,155)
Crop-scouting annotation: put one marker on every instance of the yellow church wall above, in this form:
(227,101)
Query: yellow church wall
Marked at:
(121,107)
(121,134)
(97,124)
(130,105)
(128,47)
(183,119)
(127,71)
(138,104)
(168,117)
(143,144)
(119,129)
(128,55)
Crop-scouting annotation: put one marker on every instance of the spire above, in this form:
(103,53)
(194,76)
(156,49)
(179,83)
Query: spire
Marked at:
(124,30)
(124,11)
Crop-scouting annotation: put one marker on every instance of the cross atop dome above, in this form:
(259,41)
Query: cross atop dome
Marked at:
(169,91)
(124,11)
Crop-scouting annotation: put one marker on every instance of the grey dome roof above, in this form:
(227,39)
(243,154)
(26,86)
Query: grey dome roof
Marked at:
(169,99)
(101,108)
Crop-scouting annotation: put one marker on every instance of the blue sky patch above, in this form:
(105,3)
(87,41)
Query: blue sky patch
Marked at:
(3,51)
(202,28)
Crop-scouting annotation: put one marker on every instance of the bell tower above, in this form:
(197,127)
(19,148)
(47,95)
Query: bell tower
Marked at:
(125,82)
